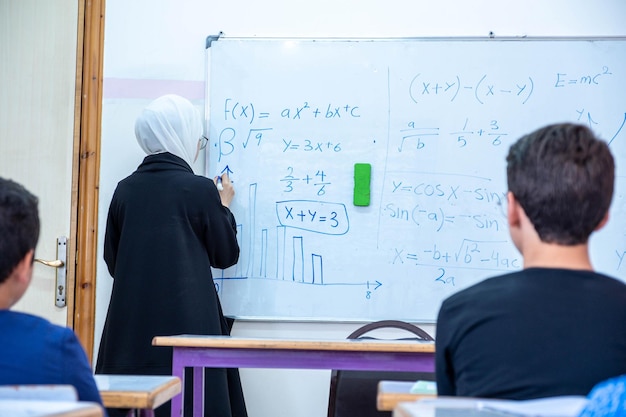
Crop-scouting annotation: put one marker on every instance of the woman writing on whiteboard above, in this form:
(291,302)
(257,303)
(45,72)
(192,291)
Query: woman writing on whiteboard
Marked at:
(166,228)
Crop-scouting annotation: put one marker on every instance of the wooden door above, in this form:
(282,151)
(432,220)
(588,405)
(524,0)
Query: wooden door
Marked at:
(38,50)
(50,115)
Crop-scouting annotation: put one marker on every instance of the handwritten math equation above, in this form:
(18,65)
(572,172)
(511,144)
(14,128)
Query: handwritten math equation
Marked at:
(318,180)
(470,254)
(315,216)
(415,136)
(448,192)
(568,80)
(434,205)
(436,218)
(486,87)
(237,111)
(482,89)
(230,139)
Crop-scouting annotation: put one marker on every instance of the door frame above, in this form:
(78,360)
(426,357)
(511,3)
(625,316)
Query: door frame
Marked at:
(86,170)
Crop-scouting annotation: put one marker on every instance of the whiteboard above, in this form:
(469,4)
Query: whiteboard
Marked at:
(290,118)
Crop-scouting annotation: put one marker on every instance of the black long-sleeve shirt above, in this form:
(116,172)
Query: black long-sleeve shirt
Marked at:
(531,334)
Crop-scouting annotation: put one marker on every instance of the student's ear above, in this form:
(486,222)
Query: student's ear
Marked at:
(603,222)
(512,210)
(24,268)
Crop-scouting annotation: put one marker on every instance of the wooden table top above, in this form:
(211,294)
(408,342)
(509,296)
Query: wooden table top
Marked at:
(229,342)
(35,408)
(137,391)
(390,393)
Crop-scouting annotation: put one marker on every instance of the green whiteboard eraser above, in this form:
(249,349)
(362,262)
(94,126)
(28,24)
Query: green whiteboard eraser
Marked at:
(362,177)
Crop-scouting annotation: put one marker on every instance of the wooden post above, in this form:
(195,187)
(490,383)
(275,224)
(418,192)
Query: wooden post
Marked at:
(89,70)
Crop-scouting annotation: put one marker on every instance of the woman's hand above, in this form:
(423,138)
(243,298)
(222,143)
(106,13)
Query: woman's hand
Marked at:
(225,188)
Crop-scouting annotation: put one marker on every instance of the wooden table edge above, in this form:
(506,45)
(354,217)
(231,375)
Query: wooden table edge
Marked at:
(167,392)
(388,401)
(227,342)
(387,398)
(141,399)
(91,410)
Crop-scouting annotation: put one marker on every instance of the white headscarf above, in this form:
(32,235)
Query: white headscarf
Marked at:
(170,124)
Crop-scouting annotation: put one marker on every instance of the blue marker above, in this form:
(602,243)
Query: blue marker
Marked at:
(220,187)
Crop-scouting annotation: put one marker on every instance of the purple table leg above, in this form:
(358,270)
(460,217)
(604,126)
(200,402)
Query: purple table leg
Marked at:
(178,369)
(198,391)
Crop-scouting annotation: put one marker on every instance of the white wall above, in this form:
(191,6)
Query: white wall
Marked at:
(155,47)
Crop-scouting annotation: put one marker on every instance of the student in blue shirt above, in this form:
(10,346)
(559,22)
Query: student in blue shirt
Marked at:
(33,351)
(607,399)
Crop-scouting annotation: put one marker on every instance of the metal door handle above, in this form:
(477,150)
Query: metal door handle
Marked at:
(61,271)
(54,264)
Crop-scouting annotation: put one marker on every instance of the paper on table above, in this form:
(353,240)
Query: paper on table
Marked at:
(424,387)
(561,406)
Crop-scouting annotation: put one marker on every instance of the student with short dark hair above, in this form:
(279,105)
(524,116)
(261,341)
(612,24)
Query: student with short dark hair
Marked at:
(556,327)
(33,351)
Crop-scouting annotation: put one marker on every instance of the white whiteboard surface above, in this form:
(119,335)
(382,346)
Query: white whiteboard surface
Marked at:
(289,118)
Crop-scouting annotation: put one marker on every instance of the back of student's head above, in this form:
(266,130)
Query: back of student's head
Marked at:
(19,225)
(562,176)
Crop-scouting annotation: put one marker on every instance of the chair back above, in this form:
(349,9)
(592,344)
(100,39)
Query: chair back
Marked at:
(353,393)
